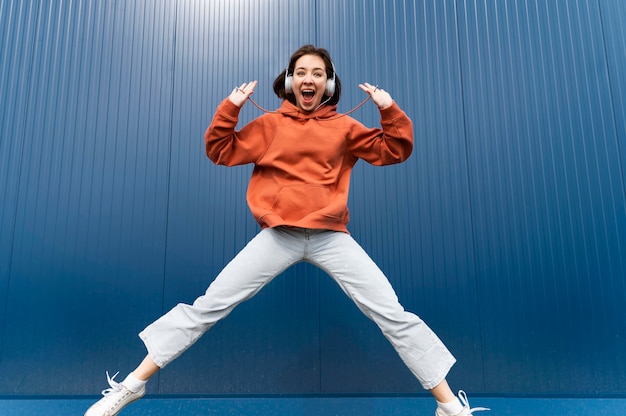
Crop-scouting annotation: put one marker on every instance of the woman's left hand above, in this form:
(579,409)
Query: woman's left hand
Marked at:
(381,97)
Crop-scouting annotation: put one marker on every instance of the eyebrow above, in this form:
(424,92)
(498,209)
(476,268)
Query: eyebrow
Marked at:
(314,69)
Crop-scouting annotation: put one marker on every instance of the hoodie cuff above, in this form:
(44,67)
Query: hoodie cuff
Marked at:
(391,112)
(229,109)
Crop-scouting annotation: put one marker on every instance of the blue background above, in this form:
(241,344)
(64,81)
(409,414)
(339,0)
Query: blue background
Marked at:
(505,231)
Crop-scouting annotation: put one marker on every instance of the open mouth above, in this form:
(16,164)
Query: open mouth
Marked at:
(308,95)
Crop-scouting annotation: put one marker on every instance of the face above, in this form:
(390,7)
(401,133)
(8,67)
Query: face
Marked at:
(309,82)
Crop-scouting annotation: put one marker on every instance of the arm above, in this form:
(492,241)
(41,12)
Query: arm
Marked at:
(391,144)
(224,145)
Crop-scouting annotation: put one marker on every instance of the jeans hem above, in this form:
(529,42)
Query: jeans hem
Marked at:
(441,377)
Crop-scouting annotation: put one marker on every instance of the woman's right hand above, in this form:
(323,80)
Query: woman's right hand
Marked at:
(241,94)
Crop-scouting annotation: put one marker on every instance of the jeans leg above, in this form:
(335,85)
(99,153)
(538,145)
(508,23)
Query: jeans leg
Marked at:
(262,259)
(361,279)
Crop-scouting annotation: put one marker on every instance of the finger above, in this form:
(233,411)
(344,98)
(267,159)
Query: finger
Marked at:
(366,87)
(247,88)
(250,87)
(244,88)
(369,88)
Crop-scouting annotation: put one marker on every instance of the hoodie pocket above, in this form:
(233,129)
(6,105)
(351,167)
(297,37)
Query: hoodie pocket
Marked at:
(296,202)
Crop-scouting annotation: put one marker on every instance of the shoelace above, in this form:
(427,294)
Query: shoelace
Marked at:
(115,386)
(465,403)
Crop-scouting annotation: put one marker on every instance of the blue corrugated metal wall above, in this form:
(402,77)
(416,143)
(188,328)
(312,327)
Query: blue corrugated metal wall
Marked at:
(505,230)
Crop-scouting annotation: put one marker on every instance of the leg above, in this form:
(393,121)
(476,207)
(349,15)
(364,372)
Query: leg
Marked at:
(146,369)
(418,346)
(359,277)
(443,393)
(265,256)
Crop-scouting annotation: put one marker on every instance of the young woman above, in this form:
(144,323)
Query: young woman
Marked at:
(303,154)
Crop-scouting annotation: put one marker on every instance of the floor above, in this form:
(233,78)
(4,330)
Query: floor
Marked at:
(319,406)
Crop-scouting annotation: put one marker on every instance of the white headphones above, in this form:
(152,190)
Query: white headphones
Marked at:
(330,82)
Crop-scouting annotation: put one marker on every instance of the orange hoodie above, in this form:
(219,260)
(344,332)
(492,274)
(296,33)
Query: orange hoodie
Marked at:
(302,162)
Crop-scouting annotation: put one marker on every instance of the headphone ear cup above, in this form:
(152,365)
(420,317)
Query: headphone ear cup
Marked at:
(288,83)
(330,87)
(330,83)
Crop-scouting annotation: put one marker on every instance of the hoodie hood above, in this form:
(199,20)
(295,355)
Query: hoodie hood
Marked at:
(323,112)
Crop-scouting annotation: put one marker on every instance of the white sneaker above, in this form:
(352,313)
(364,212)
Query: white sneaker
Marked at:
(115,399)
(466,408)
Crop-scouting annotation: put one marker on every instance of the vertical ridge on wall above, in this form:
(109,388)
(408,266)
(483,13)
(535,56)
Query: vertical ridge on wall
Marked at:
(169,160)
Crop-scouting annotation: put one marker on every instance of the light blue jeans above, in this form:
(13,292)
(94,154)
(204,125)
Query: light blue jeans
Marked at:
(267,255)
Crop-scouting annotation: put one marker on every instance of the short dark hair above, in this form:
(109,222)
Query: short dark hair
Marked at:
(279,82)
